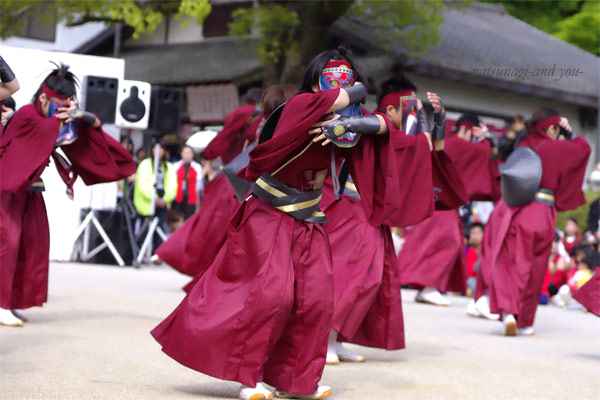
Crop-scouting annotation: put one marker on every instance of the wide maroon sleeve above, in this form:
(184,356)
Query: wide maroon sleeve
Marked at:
(478,172)
(450,192)
(26,145)
(573,157)
(291,133)
(97,157)
(393,173)
(230,137)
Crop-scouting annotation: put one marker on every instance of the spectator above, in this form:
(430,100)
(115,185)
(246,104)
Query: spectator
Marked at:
(174,220)
(189,183)
(140,155)
(128,144)
(572,234)
(557,272)
(577,278)
(165,184)
(474,239)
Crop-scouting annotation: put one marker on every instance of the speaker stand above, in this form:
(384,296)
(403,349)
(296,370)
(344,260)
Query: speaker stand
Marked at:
(146,248)
(85,253)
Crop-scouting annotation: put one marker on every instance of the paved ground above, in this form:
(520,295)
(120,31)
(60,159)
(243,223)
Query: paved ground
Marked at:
(91,341)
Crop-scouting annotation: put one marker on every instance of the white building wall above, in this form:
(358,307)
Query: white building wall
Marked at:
(67,38)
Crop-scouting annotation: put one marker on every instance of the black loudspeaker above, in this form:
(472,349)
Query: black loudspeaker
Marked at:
(165,110)
(100,97)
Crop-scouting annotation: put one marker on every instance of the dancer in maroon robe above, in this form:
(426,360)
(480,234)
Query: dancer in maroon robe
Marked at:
(27,143)
(193,247)
(367,302)
(229,142)
(518,240)
(589,294)
(433,256)
(262,311)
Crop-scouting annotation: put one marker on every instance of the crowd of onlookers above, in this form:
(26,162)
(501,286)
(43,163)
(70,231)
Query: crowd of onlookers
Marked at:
(179,185)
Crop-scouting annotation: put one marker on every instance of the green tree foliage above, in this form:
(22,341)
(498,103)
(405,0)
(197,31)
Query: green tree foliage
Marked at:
(574,21)
(276,25)
(580,213)
(291,32)
(142,16)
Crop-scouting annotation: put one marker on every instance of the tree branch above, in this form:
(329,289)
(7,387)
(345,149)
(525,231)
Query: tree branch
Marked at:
(90,18)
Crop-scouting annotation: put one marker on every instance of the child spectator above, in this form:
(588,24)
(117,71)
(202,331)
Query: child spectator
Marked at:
(174,220)
(474,239)
(577,278)
(557,270)
(572,234)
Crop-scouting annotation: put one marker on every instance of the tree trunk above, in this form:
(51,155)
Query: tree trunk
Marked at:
(316,17)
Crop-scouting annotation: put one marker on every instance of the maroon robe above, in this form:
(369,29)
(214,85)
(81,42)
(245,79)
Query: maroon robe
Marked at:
(517,240)
(589,294)
(263,309)
(433,254)
(367,298)
(363,290)
(193,247)
(229,142)
(399,192)
(25,148)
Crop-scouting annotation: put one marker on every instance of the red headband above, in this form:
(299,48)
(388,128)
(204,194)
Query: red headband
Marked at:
(547,122)
(394,98)
(334,64)
(51,93)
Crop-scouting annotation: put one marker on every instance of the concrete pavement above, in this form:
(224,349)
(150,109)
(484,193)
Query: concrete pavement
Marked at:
(92,341)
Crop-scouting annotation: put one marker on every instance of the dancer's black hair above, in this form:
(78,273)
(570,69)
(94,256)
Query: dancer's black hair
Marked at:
(312,75)
(60,80)
(395,84)
(467,117)
(10,103)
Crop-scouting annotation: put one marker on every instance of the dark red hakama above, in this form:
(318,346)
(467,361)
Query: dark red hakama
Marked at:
(358,253)
(24,250)
(589,294)
(433,254)
(367,300)
(193,247)
(517,240)
(26,145)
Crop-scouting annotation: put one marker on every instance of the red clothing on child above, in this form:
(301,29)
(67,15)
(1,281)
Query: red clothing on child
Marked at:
(472,258)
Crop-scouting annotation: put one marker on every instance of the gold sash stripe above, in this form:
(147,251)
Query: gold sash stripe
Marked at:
(544,196)
(290,207)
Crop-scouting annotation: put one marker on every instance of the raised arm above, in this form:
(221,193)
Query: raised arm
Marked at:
(349,95)
(8,82)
